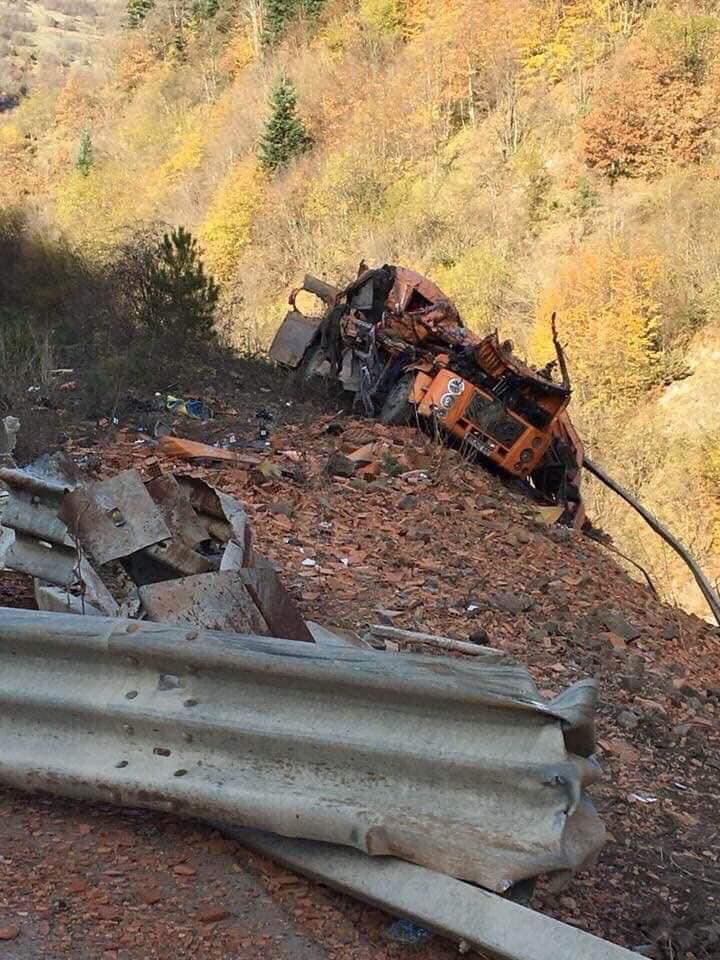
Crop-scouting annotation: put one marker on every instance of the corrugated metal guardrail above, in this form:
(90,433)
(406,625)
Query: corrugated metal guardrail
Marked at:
(454,765)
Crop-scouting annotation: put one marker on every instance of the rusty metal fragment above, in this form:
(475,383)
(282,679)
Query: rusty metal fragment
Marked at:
(114,518)
(213,601)
(173,501)
(274,602)
(293,338)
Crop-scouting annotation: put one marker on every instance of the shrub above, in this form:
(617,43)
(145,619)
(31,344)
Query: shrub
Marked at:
(172,293)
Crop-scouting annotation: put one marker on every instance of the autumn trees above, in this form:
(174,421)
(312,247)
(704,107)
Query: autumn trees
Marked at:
(659,105)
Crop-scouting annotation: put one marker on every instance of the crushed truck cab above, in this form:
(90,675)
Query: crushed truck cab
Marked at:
(396,342)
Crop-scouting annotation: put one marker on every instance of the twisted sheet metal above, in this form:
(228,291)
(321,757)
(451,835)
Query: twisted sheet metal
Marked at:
(456,766)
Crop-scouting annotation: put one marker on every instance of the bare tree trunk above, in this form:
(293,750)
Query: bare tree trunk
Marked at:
(711,596)
(253,12)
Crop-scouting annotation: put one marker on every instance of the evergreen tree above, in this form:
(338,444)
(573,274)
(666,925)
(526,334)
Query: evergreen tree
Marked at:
(275,15)
(205,9)
(278,13)
(85,158)
(137,10)
(175,295)
(285,136)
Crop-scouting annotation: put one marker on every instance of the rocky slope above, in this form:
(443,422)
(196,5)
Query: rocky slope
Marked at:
(445,549)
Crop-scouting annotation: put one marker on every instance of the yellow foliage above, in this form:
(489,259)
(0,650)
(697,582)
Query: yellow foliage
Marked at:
(187,155)
(336,33)
(351,187)
(385,16)
(475,282)
(10,138)
(572,33)
(226,229)
(608,301)
(96,209)
(710,470)
(238,53)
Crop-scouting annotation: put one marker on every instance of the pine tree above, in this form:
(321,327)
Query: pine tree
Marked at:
(137,10)
(85,158)
(278,13)
(176,296)
(285,136)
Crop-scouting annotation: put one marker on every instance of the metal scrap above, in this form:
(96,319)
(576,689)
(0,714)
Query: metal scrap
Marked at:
(173,549)
(455,765)
(473,918)
(9,429)
(114,518)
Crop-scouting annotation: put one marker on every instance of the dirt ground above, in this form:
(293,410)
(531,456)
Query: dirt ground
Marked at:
(453,553)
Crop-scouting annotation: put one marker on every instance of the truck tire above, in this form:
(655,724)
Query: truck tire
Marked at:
(397,411)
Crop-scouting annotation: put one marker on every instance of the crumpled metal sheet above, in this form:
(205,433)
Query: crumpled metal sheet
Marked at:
(272,599)
(114,518)
(295,335)
(213,601)
(452,765)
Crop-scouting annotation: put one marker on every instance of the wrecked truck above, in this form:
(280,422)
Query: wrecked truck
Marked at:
(397,343)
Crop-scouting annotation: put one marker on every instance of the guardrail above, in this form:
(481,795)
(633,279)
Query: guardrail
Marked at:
(454,765)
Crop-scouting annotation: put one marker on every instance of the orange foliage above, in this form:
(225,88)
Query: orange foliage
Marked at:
(77,103)
(651,114)
(131,69)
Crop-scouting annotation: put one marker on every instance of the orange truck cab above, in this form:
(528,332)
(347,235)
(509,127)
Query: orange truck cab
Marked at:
(394,340)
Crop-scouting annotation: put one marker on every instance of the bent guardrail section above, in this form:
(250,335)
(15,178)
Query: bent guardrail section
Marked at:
(454,765)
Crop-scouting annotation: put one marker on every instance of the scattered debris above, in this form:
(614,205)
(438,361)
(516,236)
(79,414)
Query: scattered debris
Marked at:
(396,342)
(171,549)
(195,409)
(407,933)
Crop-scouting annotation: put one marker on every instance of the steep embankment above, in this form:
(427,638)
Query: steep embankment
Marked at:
(531,156)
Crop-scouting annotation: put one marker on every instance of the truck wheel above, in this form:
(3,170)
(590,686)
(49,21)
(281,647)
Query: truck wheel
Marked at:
(397,411)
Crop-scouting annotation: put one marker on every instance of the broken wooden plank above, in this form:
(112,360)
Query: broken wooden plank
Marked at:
(443,643)
(192,450)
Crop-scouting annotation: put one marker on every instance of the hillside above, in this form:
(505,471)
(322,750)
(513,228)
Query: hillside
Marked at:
(529,155)
(49,36)
(456,554)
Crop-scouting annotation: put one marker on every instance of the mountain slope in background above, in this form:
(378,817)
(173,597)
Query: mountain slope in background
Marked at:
(530,155)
